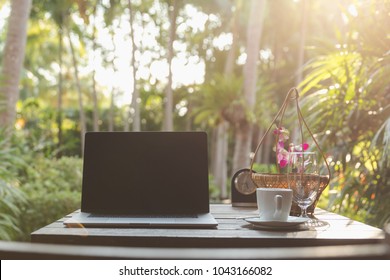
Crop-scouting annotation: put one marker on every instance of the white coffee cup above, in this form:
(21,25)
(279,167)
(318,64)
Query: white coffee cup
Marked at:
(274,204)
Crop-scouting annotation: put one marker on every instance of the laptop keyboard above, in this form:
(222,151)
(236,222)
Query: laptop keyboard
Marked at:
(143,216)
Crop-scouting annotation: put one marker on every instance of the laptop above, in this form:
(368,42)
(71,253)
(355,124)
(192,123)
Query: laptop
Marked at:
(145,179)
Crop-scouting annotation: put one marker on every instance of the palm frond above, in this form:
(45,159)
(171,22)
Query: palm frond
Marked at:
(383,134)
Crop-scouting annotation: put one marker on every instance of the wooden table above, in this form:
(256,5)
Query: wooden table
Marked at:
(232,232)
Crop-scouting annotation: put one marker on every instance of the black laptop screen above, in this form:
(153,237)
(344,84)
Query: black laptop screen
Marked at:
(145,173)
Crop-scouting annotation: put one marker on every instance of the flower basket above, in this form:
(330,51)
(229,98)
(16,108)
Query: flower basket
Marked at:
(279,179)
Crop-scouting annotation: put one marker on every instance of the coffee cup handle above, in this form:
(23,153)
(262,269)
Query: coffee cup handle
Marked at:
(278,205)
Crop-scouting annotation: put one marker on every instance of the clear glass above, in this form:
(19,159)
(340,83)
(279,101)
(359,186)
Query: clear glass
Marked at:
(303,178)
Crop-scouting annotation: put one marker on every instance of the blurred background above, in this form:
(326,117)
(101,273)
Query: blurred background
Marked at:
(221,66)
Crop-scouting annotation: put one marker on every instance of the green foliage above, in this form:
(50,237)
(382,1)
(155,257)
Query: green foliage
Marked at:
(11,197)
(10,200)
(347,93)
(214,190)
(53,190)
(36,123)
(36,188)
(264,168)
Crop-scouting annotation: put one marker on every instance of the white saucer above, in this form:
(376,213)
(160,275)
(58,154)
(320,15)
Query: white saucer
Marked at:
(291,222)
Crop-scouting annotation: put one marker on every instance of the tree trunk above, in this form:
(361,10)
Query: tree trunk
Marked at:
(94,92)
(111,114)
(13,57)
(60,90)
(219,170)
(232,54)
(83,127)
(112,111)
(219,164)
(242,146)
(243,128)
(135,97)
(168,116)
(301,50)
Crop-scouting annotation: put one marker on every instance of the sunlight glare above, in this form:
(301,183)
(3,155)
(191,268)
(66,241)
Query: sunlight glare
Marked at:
(266,54)
(151,66)
(322,91)
(352,10)
(179,46)
(241,59)
(182,111)
(181,107)
(196,20)
(187,73)
(223,41)
(4,14)
(345,18)
(159,70)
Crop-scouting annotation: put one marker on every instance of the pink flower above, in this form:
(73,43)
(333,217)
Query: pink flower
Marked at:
(282,157)
(283,163)
(281,153)
(283,133)
(301,147)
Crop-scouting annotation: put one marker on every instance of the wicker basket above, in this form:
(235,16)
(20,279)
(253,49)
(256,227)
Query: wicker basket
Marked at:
(279,180)
(268,180)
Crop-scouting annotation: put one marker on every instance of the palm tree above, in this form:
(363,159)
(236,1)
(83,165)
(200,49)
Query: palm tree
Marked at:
(243,127)
(60,86)
(134,102)
(83,124)
(94,92)
(13,61)
(220,156)
(168,116)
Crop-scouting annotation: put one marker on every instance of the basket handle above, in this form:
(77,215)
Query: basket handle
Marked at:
(291,95)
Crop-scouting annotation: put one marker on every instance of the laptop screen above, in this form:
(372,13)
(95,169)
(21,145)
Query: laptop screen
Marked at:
(145,173)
